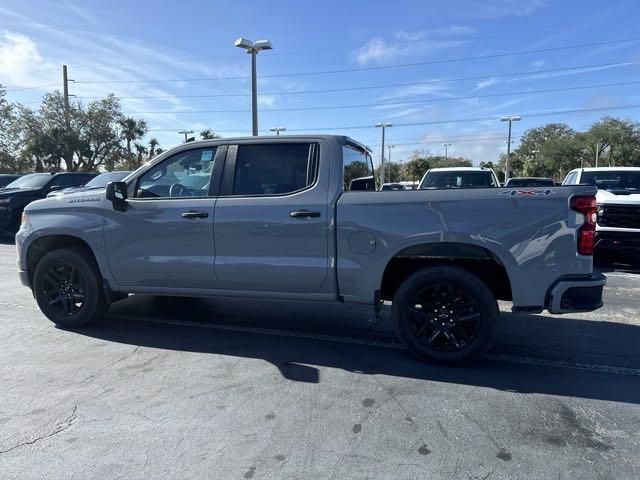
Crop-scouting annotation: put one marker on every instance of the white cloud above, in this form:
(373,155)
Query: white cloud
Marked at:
(538,64)
(486,83)
(403,45)
(268,101)
(507,8)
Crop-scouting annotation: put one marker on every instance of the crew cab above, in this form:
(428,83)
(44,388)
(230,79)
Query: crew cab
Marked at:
(19,193)
(298,218)
(618,199)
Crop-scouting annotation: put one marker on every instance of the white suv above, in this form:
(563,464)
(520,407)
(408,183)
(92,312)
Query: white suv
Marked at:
(618,198)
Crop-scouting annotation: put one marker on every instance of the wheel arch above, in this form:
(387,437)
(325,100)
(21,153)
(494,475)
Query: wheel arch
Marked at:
(40,246)
(477,259)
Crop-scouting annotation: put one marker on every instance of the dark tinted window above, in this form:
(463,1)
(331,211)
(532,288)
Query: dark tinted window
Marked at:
(33,180)
(530,182)
(458,179)
(62,181)
(273,169)
(185,174)
(359,167)
(627,180)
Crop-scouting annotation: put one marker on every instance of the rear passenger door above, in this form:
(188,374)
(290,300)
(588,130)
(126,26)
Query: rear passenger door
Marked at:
(271,219)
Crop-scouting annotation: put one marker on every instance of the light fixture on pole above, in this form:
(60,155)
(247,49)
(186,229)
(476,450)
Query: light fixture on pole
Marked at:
(185,132)
(510,119)
(278,130)
(252,49)
(383,126)
(446,152)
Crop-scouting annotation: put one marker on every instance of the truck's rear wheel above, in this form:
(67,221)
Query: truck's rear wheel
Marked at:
(68,289)
(445,315)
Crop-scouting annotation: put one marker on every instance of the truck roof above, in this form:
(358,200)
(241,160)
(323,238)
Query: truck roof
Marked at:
(340,138)
(608,169)
(452,169)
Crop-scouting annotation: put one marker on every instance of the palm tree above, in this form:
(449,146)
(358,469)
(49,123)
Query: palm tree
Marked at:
(207,134)
(153,143)
(141,150)
(132,129)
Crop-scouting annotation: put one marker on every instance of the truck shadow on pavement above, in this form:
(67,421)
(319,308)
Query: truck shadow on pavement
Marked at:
(532,355)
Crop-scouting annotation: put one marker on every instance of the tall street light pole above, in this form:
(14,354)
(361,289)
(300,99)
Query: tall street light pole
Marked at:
(252,49)
(383,126)
(510,119)
(185,132)
(278,130)
(446,152)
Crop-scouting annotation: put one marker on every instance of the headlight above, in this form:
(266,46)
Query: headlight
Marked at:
(5,201)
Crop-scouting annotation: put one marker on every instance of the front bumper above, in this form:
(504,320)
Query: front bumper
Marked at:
(580,294)
(617,241)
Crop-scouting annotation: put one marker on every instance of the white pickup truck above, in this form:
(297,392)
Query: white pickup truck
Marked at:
(618,199)
(298,217)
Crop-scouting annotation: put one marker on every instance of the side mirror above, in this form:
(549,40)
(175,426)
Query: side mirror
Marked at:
(53,188)
(117,195)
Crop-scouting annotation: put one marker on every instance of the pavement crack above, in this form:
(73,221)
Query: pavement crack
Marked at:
(60,427)
(121,359)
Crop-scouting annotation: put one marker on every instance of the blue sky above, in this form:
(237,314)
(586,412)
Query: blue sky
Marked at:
(116,42)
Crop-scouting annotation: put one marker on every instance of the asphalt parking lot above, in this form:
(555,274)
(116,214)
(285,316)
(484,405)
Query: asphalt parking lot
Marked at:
(222,388)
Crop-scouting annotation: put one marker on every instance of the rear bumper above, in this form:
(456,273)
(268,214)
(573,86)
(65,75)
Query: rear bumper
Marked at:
(582,294)
(617,241)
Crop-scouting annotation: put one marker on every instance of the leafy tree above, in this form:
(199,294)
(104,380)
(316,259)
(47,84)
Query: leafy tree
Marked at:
(141,150)
(153,144)
(208,134)
(547,151)
(618,141)
(417,165)
(132,129)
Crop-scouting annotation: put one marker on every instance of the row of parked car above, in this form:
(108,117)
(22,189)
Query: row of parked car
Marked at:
(17,191)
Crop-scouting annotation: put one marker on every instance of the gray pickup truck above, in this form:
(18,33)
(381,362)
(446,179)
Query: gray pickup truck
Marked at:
(298,218)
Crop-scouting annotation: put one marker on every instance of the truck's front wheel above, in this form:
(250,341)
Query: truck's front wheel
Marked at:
(445,314)
(68,289)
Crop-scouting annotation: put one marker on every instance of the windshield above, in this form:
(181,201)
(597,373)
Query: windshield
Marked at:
(33,180)
(101,180)
(613,179)
(530,182)
(458,179)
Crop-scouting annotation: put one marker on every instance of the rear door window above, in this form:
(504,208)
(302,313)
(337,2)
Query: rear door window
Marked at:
(275,169)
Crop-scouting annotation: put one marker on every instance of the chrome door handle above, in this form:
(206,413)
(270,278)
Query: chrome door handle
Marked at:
(192,214)
(304,214)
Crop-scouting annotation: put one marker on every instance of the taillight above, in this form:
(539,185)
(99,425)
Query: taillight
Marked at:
(586,205)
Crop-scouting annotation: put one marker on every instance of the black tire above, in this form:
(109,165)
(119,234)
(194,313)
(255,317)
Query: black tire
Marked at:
(68,288)
(445,315)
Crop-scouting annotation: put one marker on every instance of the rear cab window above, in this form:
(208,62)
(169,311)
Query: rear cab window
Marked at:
(358,169)
(459,179)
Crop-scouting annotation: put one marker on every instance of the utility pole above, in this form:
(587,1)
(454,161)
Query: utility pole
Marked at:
(510,119)
(389,160)
(598,152)
(186,132)
(383,126)
(65,90)
(446,152)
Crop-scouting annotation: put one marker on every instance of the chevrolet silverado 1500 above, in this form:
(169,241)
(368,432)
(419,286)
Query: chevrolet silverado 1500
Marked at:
(298,217)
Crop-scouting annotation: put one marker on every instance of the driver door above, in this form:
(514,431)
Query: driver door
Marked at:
(165,237)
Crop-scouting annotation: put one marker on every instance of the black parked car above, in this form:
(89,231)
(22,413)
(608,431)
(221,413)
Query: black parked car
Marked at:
(94,184)
(19,193)
(7,178)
